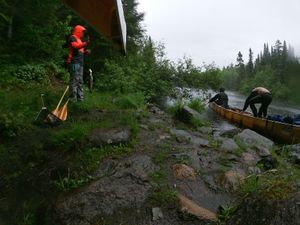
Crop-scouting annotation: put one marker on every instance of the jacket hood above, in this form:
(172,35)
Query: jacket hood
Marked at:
(78,31)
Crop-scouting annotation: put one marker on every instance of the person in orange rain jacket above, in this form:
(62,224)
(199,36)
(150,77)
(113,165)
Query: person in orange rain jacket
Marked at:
(77,49)
(259,95)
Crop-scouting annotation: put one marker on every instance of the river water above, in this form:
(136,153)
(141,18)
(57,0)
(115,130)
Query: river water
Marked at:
(235,100)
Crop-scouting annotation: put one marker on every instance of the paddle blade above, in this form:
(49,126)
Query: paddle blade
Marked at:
(62,113)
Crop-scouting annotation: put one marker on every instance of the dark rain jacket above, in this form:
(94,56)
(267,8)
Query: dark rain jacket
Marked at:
(220,99)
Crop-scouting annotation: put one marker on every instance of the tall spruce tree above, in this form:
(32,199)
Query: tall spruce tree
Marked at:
(250,66)
(241,68)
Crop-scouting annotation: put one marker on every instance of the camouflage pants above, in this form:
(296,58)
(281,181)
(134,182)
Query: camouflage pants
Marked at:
(76,82)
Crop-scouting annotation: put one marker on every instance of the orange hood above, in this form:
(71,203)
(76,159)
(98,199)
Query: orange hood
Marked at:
(78,31)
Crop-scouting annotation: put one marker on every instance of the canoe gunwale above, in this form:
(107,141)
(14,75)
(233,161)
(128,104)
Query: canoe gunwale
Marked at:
(285,133)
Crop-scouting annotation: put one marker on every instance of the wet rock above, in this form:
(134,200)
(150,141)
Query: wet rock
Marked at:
(157,214)
(191,156)
(154,109)
(180,156)
(249,158)
(232,157)
(229,145)
(189,207)
(112,136)
(251,138)
(269,163)
(263,151)
(128,187)
(207,160)
(200,141)
(261,211)
(106,168)
(183,172)
(205,130)
(218,138)
(187,114)
(294,153)
(183,136)
(232,180)
(254,170)
(143,126)
(210,181)
(194,159)
(230,133)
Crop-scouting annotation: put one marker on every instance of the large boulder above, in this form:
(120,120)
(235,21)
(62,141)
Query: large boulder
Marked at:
(186,114)
(112,136)
(252,139)
(127,187)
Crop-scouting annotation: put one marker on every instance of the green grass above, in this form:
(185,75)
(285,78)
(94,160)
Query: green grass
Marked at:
(176,108)
(224,213)
(160,157)
(57,159)
(251,185)
(107,101)
(158,177)
(163,197)
(197,122)
(197,105)
(274,186)
(67,183)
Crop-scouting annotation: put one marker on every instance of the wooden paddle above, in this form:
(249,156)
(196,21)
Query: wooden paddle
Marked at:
(61,112)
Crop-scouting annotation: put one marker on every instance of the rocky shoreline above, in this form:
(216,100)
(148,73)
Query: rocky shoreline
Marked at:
(178,174)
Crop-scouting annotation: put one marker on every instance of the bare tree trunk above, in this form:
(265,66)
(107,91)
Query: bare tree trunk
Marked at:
(10,28)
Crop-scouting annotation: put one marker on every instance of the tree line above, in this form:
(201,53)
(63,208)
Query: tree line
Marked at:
(34,32)
(276,67)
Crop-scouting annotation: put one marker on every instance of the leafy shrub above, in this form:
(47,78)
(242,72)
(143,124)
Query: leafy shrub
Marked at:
(57,71)
(31,73)
(145,71)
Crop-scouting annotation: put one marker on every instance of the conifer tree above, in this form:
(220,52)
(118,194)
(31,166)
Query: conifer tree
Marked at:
(241,68)
(250,67)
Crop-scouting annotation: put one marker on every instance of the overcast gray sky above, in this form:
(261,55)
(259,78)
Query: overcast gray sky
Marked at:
(216,30)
